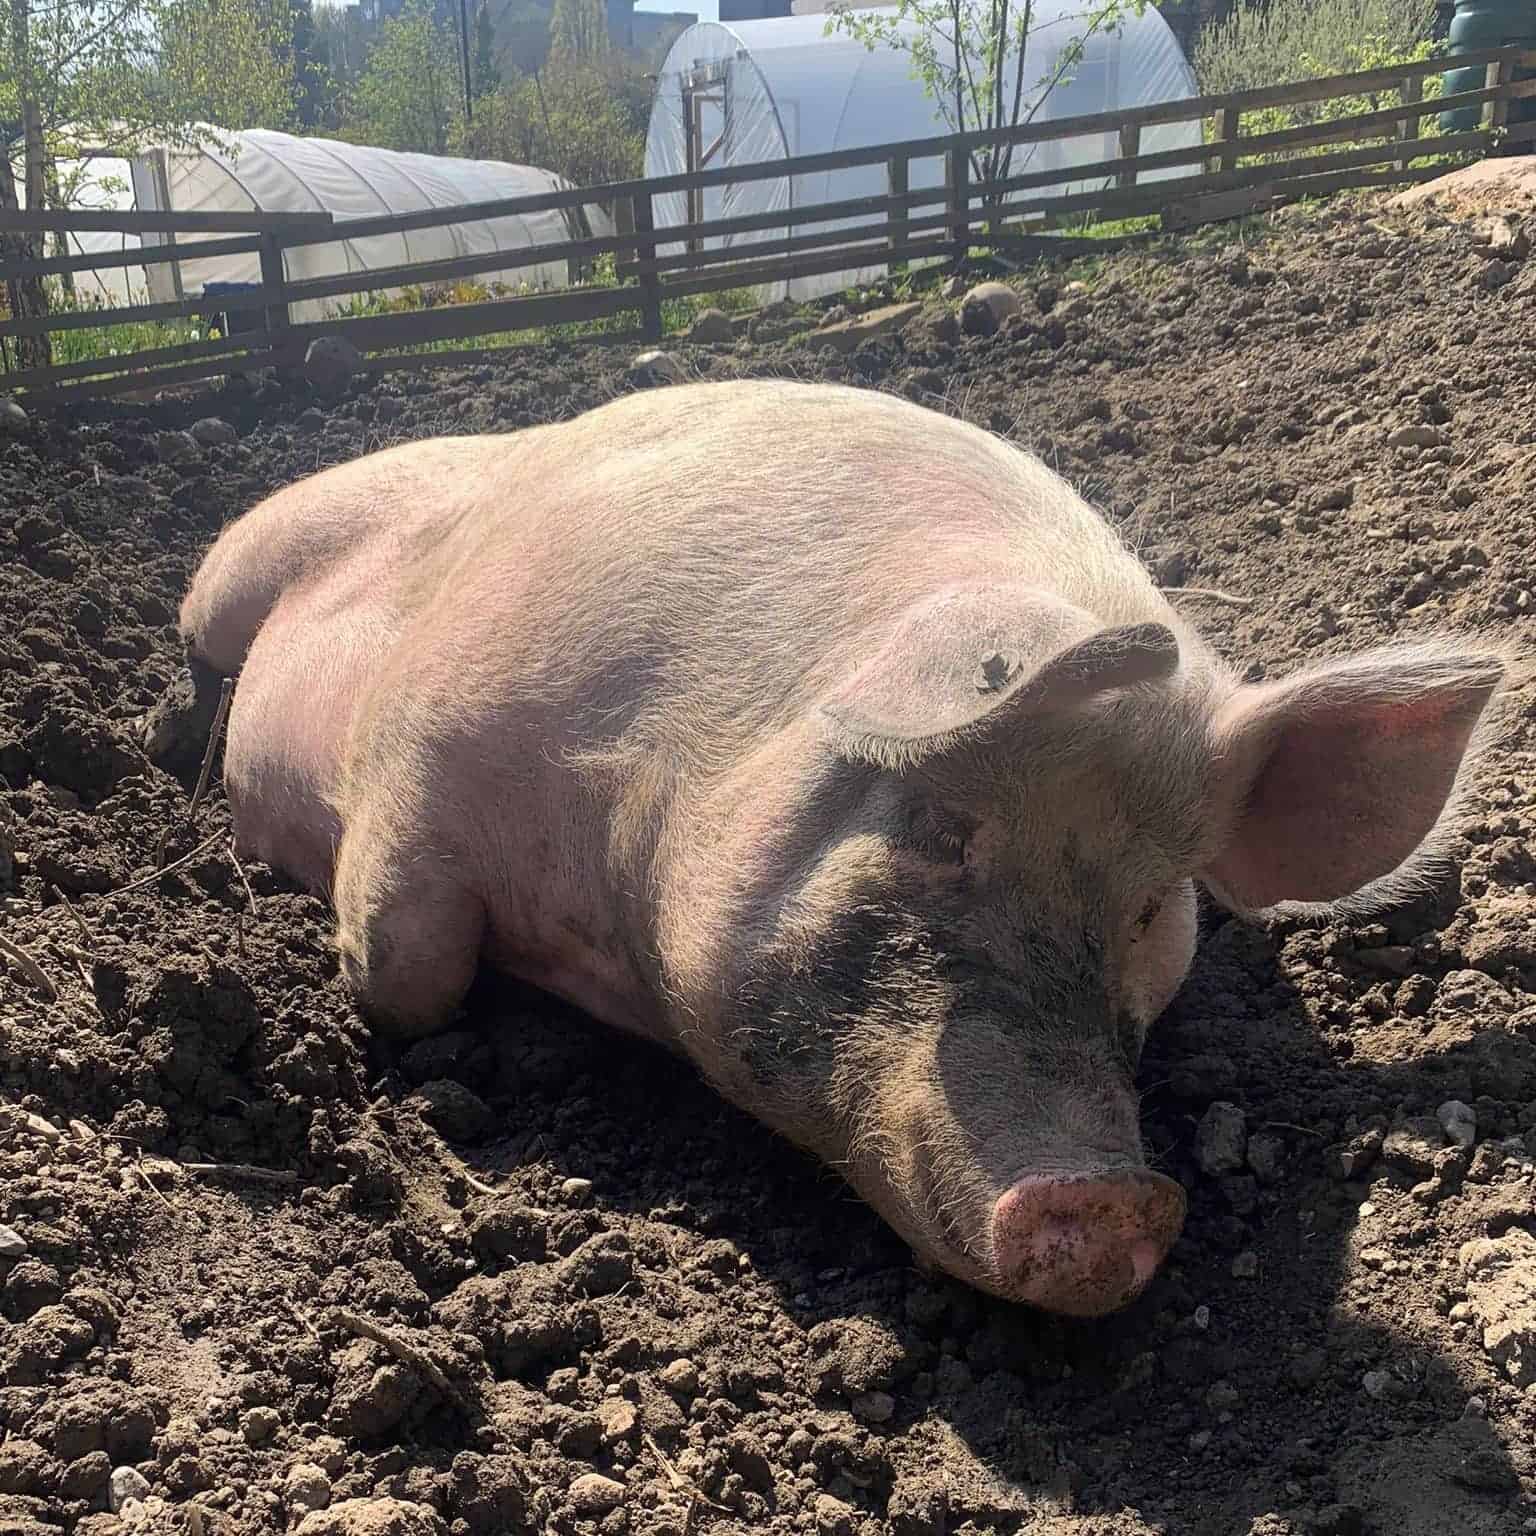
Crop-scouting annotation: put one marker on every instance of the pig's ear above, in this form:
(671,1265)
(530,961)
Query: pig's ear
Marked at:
(1333,779)
(968,662)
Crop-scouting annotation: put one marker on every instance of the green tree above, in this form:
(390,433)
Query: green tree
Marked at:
(583,120)
(578,30)
(486,76)
(118,76)
(971,57)
(314,86)
(408,97)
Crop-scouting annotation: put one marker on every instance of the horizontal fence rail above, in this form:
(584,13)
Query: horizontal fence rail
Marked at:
(1227,174)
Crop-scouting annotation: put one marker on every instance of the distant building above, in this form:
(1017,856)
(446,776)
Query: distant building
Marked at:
(752,10)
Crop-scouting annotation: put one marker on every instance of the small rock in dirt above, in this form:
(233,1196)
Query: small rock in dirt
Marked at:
(213,432)
(1377,1384)
(1221,1140)
(1459,1122)
(259,1425)
(307,1488)
(656,367)
(1246,1265)
(710,327)
(986,306)
(12,1244)
(1501,1290)
(833,1516)
(619,1418)
(682,1377)
(600,1266)
(749,1459)
(1418,435)
(452,1110)
(873,1407)
(1352,1158)
(124,1484)
(576,1191)
(13,420)
(372,1517)
(594,1494)
(330,362)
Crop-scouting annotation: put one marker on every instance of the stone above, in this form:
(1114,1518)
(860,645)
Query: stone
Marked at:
(12,1244)
(711,327)
(214,432)
(594,1494)
(13,420)
(307,1488)
(330,362)
(619,1418)
(259,1425)
(576,1191)
(124,1484)
(1459,1122)
(849,335)
(656,367)
(1221,1141)
(833,1516)
(986,307)
(681,1377)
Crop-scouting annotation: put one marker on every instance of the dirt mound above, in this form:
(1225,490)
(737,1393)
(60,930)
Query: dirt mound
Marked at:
(259,1273)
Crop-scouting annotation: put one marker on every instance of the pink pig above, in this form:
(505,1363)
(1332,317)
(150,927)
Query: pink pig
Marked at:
(832,742)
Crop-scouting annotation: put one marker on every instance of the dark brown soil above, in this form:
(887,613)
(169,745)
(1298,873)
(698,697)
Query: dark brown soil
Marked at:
(530,1276)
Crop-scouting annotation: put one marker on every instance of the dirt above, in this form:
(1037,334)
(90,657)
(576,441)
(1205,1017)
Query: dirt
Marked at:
(259,1273)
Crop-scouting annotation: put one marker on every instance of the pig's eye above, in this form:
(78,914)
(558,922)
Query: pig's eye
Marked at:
(1146,917)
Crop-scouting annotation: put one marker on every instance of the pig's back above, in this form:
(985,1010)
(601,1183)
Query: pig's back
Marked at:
(722,550)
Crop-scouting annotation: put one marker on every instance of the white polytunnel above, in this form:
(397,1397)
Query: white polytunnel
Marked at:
(757,91)
(273,172)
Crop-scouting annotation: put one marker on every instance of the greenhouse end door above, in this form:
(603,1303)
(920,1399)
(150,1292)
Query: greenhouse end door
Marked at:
(705,107)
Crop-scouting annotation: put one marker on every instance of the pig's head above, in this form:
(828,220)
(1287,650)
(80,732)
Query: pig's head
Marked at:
(941,910)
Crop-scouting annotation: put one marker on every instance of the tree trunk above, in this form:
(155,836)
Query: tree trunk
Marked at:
(28,299)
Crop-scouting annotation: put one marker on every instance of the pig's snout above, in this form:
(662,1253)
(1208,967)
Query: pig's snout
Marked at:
(1085,1245)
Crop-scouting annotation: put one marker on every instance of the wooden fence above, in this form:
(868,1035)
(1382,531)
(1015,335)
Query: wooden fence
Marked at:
(1230,172)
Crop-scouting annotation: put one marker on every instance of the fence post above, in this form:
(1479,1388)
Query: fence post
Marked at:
(1412,90)
(896,180)
(957,186)
(1497,77)
(274,283)
(1130,147)
(650,283)
(623,224)
(1228,120)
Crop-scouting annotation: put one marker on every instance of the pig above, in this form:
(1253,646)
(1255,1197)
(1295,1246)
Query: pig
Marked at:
(831,742)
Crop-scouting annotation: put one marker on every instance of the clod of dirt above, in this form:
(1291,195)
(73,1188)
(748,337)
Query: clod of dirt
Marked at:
(1221,1141)
(1501,1291)
(372,1517)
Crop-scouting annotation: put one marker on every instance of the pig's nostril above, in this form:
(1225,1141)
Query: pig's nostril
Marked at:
(1085,1245)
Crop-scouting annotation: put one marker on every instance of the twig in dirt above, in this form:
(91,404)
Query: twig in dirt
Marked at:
(1285,1125)
(680,1484)
(29,968)
(160,847)
(226,692)
(150,1185)
(74,912)
(169,869)
(234,858)
(1210,594)
(403,1350)
(247,1171)
(476,1184)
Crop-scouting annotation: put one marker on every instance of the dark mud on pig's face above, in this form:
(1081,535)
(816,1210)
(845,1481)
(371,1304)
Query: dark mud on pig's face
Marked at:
(950,1005)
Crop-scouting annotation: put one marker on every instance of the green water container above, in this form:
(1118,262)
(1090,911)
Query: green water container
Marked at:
(1486,24)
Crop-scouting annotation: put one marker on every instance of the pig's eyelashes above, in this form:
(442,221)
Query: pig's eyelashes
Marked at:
(938,834)
(1146,917)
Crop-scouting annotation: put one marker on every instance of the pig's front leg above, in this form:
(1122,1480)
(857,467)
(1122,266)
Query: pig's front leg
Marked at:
(409,928)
